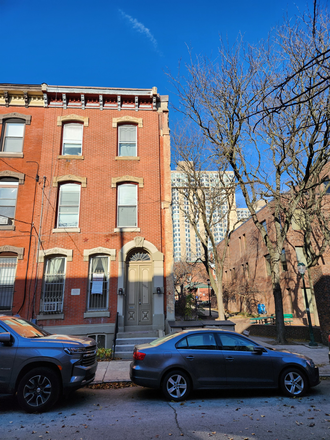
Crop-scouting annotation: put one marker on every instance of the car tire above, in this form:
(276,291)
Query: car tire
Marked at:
(176,385)
(293,382)
(38,390)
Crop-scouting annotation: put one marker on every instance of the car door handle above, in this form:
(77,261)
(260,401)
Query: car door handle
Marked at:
(229,358)
(190,358)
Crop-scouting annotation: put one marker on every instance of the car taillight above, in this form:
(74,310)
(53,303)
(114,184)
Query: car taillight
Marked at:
(138,355)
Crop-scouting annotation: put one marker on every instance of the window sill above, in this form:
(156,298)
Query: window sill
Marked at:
(7,227)
(70,157)
(9,154)
(127,158)
(127,229)
(97,314)
(65,230)
(47,317)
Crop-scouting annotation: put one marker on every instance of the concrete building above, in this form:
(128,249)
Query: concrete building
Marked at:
(186,245)
(99,252)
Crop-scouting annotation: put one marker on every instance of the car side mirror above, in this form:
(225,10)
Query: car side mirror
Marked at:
(6,338)
(258,350)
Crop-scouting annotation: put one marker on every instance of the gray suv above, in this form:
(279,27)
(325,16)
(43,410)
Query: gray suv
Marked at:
(38,367)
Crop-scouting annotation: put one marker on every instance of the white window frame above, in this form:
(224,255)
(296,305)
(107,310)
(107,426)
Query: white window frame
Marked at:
(6,220)
(105,285)
(73,142)
(120,205)
(10,124)
(62,189)
(56,304)
(120,129)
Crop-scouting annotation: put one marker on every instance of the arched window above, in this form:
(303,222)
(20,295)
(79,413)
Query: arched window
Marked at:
(127,140)
(68,206)
(13,135)
(72,139)
(8,263)
(98,287)
(53,285)
(8,197)
(127,205)
(13,130)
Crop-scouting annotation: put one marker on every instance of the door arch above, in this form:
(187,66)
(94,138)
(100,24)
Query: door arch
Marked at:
(139,276)
(138,245)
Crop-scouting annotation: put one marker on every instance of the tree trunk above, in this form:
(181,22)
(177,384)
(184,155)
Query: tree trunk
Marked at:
(221,311)
(277,292)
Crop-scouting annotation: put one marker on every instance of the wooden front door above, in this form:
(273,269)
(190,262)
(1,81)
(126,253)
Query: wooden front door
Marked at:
(139,293)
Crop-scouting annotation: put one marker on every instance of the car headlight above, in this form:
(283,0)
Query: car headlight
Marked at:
(74,350)
(310,363)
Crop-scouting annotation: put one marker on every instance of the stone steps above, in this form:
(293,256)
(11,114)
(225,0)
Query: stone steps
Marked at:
(126,341)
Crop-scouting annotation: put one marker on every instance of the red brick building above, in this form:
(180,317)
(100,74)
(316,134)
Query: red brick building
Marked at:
(247,280)
(100,250)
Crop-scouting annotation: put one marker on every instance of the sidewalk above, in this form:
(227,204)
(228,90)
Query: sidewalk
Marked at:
(118,371)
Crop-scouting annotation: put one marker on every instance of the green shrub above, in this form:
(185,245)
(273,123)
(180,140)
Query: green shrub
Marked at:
(104,354)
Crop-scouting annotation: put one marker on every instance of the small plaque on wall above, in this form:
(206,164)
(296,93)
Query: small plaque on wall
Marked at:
(75,291)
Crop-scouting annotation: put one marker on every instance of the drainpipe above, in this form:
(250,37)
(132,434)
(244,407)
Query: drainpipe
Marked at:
(38,248)
(30,239)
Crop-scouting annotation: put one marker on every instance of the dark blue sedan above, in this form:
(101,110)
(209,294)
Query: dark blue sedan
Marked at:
(218,359)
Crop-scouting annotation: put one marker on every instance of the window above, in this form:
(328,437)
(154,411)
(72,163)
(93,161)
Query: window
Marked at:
(98,287)
(127,140)
(8,196)
(53,286)
(7,281)
(202,341)
(68,206)
(264,224)
(72,139)
(13,135)
(235,343)
(283,261)
(100,340)
(127,205)
(326,184)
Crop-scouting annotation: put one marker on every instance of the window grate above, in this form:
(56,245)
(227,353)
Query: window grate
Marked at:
(7,281)
(53,288)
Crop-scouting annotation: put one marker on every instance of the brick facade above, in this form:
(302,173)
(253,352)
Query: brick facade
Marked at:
(247,280)
(98,171)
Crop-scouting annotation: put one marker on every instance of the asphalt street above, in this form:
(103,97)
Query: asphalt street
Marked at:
(140,413)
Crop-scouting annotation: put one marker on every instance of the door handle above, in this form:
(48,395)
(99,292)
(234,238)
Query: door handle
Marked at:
(190,358)
(229,358)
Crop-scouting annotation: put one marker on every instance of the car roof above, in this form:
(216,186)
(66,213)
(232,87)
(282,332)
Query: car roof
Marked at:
(207,329)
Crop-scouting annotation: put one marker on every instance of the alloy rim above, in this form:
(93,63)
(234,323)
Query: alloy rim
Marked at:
(176,386)
(37,391)
(294,383)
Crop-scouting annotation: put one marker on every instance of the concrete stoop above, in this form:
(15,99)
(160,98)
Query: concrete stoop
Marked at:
(126,341)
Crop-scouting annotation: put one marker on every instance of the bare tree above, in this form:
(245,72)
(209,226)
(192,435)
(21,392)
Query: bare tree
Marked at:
(279,158)
(313,25)
(207,201)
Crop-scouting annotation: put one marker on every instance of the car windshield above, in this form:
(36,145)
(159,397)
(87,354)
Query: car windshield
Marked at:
(25,328)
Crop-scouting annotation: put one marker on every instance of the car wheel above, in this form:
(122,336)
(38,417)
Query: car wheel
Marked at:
(176,385)
(293,382)
(38,390)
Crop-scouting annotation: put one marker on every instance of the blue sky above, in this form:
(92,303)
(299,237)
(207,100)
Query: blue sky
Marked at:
(124,43)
